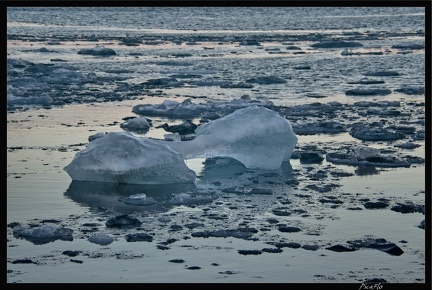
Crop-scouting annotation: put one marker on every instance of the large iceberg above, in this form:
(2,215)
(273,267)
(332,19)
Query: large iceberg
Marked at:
(121,157)
(256,136)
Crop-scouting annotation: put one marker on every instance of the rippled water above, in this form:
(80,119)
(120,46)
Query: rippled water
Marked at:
(225,18)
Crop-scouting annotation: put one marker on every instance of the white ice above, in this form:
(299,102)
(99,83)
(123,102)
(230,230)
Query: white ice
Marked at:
(101,239)
(364,152)
(43,231)
(123,158)
(139,124)
(256,136)
(190,109)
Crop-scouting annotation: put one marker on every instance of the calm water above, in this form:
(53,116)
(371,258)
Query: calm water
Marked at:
(211,45)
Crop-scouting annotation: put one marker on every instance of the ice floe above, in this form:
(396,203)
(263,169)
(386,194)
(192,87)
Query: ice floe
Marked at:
(409,45)
(190,199)
(99,50)
(382,74)
(366,156)
(43,234)
(336,44)
(101,239)
(368,133)
(265,80)
(368,92)
(411,90)
(188,109)
(138,199)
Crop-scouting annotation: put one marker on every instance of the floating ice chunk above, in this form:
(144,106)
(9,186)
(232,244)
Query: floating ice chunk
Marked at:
(239,85)
(98,50)
(18,63)
(409,45)
(44,233)
(44,99)
(375,134)
(256,136)
(101,239)
(366,156)
(188,72)
(188,109)
(364,152)
(412,90)
(336,44)
(210,82)
(139,125)
(368,92)
(190,199)
(97,135)
(382,74)
(123,158)
(267,80)
(184,128)
(407,145)
(138,199)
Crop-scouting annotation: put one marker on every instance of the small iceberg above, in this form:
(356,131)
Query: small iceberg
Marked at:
(120,157)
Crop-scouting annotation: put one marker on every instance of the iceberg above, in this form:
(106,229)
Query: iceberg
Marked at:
(120,157)
(258,137)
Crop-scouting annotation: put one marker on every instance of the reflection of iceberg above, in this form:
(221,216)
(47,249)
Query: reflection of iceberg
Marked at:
(124,158)
(218,168)
(105,195)
(231,176)
(256,136)
(228,170)
(366,170)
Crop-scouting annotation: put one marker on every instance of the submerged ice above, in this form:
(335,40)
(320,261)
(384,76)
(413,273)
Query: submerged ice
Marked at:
(256,136)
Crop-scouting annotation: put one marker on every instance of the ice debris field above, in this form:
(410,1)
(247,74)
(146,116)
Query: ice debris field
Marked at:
(225,144)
